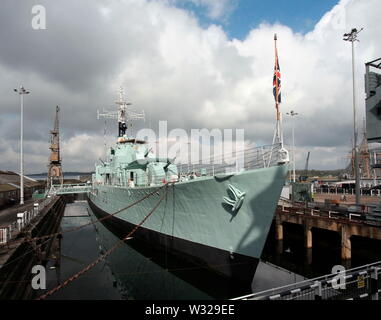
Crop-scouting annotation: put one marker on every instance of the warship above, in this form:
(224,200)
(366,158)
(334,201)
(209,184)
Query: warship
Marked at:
(215,217)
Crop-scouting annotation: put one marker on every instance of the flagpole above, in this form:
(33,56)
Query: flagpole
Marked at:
(283,157)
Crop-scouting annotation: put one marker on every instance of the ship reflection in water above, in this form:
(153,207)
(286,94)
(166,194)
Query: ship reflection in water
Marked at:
(135,273)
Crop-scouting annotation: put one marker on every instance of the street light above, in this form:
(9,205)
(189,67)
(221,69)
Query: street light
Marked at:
(293,114)
(21,92)
(352,37)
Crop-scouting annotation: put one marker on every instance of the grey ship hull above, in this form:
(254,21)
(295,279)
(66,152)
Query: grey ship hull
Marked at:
(196,223)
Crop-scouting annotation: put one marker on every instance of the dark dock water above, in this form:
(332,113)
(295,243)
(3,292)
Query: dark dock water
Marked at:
(129,274)
(78,249)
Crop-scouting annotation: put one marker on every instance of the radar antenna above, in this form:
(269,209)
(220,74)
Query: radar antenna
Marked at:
(123,114)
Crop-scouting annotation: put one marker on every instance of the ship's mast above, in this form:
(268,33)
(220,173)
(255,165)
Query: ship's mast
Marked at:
(123,114)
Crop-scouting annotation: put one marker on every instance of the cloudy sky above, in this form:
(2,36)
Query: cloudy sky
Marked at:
(195,63)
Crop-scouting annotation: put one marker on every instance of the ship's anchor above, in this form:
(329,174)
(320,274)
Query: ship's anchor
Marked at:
(238,197)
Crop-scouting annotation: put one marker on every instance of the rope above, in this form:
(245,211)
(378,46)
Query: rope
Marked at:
(102,257)
(98,220)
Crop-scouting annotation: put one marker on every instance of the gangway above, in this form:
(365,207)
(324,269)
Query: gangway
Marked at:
(60,189)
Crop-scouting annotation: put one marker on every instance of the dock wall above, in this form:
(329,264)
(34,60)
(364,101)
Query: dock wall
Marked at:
(16,270)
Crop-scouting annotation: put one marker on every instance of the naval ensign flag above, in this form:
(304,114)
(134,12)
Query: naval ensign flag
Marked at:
(276,80)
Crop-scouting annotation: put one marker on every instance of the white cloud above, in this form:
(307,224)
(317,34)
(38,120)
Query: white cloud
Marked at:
(196,77)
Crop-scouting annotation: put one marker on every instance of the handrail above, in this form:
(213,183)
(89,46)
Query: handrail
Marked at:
(305,282)
(24,218)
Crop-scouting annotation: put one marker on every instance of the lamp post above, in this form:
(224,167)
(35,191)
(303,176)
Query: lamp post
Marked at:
(21,92)
(352,37)
(293,114)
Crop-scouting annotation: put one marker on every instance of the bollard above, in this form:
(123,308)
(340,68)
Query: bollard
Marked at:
(20,220)
(35,209)
(26,220)
(9,232)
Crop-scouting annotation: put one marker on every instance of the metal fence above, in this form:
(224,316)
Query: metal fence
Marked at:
(219,164)
(369,215)
(24,218)
(350,191)
(339,213)
(361,283)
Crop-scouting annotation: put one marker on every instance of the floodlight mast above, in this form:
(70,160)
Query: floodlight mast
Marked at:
(22,91)
(352,37)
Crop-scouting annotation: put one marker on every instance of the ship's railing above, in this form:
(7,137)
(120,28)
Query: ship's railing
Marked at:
(237,161)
